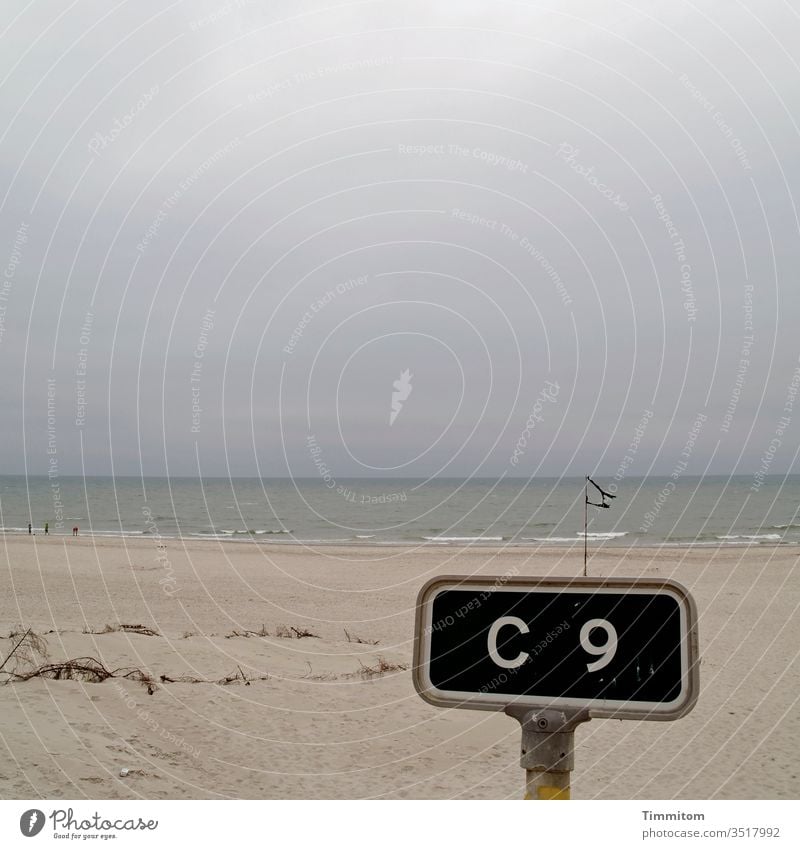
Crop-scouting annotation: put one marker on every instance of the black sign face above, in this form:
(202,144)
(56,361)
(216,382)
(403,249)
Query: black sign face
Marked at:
(615,647)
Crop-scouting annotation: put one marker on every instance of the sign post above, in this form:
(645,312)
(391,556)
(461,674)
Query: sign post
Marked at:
(555,652)
(548,751)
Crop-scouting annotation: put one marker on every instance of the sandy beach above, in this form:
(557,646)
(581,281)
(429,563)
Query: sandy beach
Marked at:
(317,718)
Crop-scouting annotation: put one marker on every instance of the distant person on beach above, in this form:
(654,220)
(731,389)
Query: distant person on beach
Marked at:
(75,531)
(47,528)
(30,529)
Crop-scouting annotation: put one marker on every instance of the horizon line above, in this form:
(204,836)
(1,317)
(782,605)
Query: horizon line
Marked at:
(139,476)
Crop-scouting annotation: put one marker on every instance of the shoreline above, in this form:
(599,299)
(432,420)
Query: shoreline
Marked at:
(243,538)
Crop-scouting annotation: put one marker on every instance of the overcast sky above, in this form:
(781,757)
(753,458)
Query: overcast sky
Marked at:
(572,223)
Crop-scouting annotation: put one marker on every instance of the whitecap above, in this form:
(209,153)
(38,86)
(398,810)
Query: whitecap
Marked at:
(579,537)
(552,539)
(463,539)
(750,536)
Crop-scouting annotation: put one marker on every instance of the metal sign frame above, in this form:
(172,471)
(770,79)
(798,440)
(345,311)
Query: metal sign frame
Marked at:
(587,708)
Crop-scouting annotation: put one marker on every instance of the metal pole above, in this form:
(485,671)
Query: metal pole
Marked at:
(548,751)
(585,524)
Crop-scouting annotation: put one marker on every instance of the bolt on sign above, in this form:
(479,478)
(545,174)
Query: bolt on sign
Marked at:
(555,652)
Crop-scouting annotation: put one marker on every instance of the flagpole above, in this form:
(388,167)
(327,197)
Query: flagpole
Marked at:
(586,503)
(585,523)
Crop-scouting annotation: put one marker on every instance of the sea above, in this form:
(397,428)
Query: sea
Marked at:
(653,511)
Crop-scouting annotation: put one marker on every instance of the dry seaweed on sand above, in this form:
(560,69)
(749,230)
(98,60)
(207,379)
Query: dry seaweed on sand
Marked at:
(354,638)
(79,669)
(27,646)
(182,679)
(87,669)
(236,677)
(128,629)
(92,671)
(380,667)
(263,632)
(291,632)
(318,676)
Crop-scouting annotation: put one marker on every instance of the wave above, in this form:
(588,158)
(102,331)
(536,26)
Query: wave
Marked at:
(785,527)
(244,537)
(212,534)
(463,539)
(552,539)
(606,535)
(728,539)
(225,532)
(209,536)
(749,536)
(85,532)
(700,544)
(579,537)
(90,532)
(322,541)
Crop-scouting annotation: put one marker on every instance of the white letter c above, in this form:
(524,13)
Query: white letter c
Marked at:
(495,630)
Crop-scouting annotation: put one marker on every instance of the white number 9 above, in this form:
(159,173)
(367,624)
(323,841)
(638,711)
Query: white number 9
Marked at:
(608,649)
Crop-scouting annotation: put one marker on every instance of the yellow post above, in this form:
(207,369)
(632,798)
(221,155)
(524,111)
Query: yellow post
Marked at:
(546,786)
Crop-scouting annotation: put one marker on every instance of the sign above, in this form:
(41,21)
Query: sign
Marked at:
(615,647)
